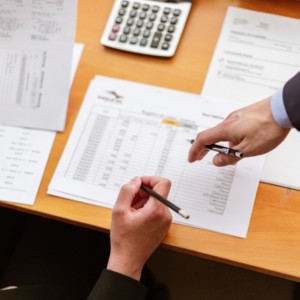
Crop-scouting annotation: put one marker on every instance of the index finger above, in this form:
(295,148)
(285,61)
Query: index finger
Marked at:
(158,184)
(209,136)
(162,187)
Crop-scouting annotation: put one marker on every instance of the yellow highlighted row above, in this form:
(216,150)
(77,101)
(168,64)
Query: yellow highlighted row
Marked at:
(171,122)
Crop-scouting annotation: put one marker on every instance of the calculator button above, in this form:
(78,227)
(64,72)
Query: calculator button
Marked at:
(133,14)
(130,22)
(155,9)
(119,20)
(136,5)
(168,37)
(126,30)
(139,23)
(161,27)
(125,3)
(149,25)
(133,40)
(143,15)
(165,46)
(143,42)
(177,12)
(174,20)
(116,28)
(152,17)
(156,39)
(146,33)
(167,10)
(112,36)
(145,7)
(171,29)
(122,12)
(123,38)
(136,32)
(164,19)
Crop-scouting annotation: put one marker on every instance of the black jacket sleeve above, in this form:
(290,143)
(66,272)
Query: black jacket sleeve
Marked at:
(291,99)
(115,286)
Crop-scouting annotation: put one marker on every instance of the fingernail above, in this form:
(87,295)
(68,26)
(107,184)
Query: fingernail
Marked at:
(135,179)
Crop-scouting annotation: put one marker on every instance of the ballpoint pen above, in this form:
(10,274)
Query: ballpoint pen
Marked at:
(165,201)
(222,149)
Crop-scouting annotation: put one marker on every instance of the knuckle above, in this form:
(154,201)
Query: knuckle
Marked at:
(163,214)
(117,212)
(126,188)
(199,134)
(167,182)
(234,115)
(168,218)
(158,213)
(224,133)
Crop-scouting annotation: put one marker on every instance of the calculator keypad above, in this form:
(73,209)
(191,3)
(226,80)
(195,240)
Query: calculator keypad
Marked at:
(144,25)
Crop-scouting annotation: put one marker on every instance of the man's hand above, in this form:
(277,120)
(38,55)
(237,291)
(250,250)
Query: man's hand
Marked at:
(251,130)
(139,225)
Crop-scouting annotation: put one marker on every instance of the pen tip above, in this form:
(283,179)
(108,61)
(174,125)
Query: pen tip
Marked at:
(184,214)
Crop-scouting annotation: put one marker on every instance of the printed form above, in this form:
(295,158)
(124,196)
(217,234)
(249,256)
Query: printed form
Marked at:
(24,153)
(127,129)
(36,40)
(255,55)
(23,156)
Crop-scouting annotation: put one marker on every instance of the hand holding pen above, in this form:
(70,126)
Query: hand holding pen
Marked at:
(251,130)
(139,224)
(222,149)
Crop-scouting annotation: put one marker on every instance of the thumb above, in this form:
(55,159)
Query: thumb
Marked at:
(222,160)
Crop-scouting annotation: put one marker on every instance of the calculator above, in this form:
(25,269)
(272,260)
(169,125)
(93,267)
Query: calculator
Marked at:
(150,27)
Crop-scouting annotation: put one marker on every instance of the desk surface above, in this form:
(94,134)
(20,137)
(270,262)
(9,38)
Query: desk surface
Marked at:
(273,242)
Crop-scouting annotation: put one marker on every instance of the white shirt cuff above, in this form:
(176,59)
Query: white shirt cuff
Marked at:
(278,110)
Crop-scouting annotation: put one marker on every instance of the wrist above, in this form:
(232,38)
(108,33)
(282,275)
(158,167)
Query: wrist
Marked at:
(125,266)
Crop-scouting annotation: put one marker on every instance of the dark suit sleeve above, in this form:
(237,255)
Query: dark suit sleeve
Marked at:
(291,99)
(115,286)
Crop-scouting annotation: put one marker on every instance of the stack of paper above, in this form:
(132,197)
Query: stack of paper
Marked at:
(36,43)
(24,153)
(36,46)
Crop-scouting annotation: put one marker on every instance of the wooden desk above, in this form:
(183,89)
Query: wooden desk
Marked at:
(273,242)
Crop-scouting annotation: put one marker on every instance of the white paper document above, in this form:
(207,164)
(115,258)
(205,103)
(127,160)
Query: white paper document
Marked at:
(255,55)
(23,157)
(24,153)
(127,129)
(36,42)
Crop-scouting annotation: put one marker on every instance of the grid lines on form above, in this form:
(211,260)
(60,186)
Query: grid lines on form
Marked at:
(116,145)
(204,187)
(201,185)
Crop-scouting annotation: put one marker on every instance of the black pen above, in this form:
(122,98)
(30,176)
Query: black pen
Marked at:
(222,149)
(165,201)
